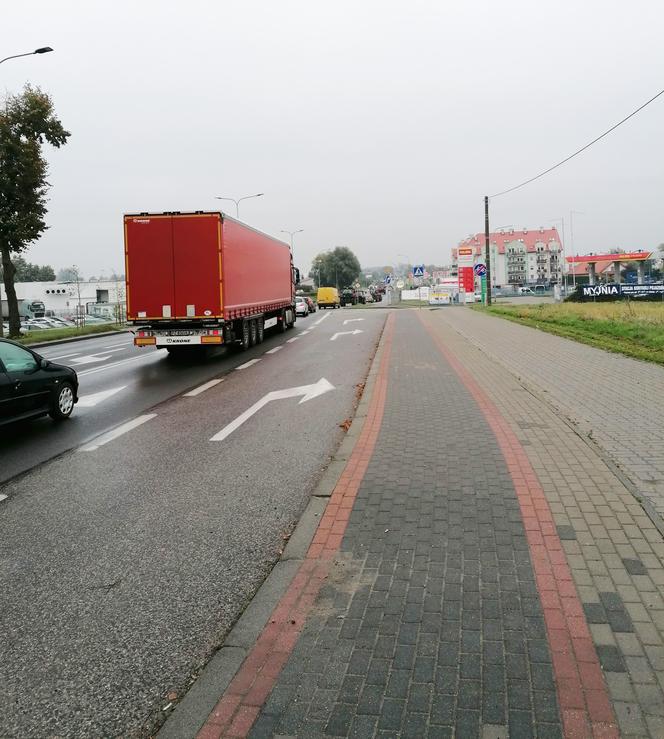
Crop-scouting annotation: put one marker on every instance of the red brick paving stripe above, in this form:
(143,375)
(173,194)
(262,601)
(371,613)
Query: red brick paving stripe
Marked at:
(238,708)
(582,695)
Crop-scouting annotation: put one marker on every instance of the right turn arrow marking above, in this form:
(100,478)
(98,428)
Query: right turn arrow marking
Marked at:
(309,392)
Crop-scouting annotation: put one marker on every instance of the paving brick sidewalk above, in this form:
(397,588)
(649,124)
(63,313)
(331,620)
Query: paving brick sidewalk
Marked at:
(616,400)
(487,564)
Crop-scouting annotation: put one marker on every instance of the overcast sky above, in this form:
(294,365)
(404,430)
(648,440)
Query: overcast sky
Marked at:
(374,124)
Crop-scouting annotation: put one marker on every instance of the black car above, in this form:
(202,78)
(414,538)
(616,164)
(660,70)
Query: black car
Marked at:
(31,386)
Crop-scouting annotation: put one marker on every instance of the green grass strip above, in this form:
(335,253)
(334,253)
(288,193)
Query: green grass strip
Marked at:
(57,334)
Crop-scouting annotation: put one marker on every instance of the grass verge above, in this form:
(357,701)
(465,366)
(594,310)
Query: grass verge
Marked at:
(633,329)
(57,334)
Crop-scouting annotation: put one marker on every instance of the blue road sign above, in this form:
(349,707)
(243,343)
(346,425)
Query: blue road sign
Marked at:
(387,279)
(480,270)
(418,270)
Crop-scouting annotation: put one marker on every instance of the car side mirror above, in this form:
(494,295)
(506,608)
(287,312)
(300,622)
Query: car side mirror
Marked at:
(44,363)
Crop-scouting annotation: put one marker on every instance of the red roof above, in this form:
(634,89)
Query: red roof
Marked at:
(530,237)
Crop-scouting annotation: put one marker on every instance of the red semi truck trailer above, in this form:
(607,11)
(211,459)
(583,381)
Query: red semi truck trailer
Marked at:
(198,279)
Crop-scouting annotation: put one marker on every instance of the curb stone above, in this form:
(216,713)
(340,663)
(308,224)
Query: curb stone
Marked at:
(192,711)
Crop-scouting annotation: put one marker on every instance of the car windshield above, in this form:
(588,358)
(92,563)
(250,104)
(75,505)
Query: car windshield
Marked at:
(16,359)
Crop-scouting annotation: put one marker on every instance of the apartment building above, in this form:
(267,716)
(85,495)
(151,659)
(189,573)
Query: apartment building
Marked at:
(520,257)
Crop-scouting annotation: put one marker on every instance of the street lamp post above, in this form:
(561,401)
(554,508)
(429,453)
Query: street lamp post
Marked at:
(40,50)
(239,200)
(291,234)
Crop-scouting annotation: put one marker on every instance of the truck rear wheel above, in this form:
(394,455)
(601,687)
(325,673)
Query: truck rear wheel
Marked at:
(260,331)
(282,323)
(245,338)
(253,333)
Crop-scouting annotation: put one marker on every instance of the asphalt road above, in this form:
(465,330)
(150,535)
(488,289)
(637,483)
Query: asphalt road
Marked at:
(118,381)
(125,561)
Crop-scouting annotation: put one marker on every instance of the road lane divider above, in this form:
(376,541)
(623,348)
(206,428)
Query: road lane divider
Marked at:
(290,341)
(275,350)
(117,432)
(250,363)
(3,497)
(321,319)
(202,388)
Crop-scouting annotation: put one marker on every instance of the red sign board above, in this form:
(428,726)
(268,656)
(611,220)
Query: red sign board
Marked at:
(466,279)
(632,256)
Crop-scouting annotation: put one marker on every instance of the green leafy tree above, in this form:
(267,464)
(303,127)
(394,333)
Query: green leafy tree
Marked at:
(68,274)
(337,267)
(27,272)
(27,122)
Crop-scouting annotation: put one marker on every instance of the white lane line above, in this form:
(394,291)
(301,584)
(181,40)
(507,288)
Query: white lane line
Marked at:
(304,333)
(248,364)
(115,433)
(3,497)
(275,350)
(202,388)
(116,364)
(290,341)
(322,318)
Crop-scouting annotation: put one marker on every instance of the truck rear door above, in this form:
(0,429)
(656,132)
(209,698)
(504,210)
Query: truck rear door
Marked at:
(149,266)
(197,265)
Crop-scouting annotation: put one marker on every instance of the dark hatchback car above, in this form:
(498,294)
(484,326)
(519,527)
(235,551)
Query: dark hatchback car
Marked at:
(31,386)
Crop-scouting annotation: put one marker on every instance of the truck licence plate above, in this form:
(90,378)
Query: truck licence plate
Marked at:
(180,333)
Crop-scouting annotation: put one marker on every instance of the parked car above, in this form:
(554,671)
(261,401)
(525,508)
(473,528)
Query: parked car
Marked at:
(348,297)
(301,307)
(31,386)
(311,304)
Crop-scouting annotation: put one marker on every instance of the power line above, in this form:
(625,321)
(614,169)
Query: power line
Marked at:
(571,156)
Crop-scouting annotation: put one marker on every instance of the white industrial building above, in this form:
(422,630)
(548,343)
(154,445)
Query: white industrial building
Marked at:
(103,298)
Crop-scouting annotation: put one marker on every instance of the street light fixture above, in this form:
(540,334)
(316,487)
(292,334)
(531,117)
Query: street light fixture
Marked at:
(40,50)
(291,234)
(239,200)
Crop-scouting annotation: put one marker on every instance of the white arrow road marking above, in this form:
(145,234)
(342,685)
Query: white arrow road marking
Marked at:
(101,356)
(202,388)
(90,401)
(91,359)
(64,356)
(322,318)
(350,320)
(154,355)
(345,333)
(248,364)
(115,433)
(275,350)
(308,391)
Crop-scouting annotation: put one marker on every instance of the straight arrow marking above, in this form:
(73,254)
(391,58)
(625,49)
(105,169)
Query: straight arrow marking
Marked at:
(345,333)
(307,391)
(90,401)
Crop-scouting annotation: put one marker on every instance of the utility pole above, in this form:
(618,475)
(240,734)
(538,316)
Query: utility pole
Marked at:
(487,252)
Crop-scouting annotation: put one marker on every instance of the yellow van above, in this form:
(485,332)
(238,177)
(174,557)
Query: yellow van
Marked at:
(328,297)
